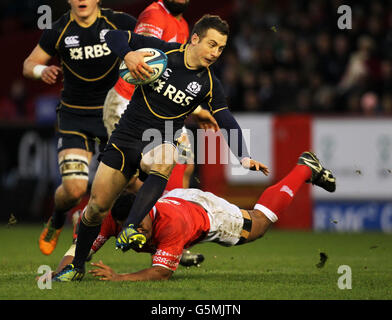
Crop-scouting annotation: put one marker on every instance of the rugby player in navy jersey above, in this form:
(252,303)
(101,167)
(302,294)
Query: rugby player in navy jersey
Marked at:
(187,82)
(90,69)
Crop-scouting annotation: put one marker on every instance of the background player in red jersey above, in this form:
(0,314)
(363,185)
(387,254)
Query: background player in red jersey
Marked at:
(77,38)
(184,217)
(158,21)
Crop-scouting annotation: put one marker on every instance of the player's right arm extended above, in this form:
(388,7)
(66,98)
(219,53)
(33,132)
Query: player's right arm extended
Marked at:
(104,272)
(238,146)
(35,66)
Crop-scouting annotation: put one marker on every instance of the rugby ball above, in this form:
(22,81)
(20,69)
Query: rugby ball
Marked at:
(157,62)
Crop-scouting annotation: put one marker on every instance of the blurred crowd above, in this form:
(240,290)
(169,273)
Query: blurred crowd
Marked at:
(290,56)
(284,56)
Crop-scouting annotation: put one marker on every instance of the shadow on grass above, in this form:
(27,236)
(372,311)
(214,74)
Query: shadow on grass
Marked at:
(265,277)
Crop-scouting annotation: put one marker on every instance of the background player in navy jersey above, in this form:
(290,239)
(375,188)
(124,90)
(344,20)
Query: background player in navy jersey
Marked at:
(89,69)
(165,102)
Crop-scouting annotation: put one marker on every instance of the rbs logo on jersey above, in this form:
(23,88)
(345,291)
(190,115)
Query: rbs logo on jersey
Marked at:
(177,96)
(87,52)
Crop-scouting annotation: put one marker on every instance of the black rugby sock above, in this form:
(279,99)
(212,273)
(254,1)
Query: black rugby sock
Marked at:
(146,197)
(86,237)
(58,218)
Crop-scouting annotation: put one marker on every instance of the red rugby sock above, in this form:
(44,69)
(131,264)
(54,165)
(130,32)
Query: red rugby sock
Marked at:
(278,197)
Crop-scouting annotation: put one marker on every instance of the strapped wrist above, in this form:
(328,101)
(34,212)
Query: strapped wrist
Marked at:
(244,157)
(37,71)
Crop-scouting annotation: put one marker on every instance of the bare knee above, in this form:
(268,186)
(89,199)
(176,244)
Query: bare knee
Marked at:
(74,190)
(163,169)
(95,212)
(161,159)
(108,184)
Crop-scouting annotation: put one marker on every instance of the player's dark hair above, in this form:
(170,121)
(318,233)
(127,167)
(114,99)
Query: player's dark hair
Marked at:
(209,21)
(99,2)
(122,206)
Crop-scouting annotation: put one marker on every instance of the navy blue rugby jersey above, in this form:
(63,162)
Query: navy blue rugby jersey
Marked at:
(89,67)
(174,95)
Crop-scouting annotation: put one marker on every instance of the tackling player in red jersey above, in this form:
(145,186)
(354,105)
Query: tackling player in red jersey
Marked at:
(110,227)
(184,217)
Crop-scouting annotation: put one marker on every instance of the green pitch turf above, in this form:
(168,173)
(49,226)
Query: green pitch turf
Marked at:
(282,265)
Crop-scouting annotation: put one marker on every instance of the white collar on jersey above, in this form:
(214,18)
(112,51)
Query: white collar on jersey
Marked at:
(154,212)
(163,6)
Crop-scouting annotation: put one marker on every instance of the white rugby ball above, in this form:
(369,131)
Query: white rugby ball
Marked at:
(157,62)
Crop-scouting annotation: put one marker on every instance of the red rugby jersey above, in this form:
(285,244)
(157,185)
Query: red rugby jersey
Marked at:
(110,228)
(157,20)
(177,224)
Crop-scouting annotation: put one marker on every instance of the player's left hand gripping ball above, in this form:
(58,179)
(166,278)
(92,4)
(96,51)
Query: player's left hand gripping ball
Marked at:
(129,238)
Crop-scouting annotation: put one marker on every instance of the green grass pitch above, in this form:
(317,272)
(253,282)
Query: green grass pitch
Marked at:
(282,265)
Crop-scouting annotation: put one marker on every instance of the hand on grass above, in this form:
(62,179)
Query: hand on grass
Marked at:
(104,272)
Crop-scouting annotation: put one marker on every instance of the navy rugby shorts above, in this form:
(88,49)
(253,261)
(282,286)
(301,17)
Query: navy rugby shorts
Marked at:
(125,155)
(80,131)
